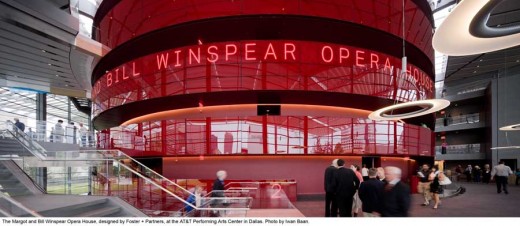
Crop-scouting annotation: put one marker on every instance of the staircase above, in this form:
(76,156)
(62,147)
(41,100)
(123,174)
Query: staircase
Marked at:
(16,184)
(79,206)
(116,182)
(10,147)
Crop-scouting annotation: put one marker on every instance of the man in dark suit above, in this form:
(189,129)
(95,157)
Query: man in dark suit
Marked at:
(396,196)
(331,208)
(346,184)
(371,194)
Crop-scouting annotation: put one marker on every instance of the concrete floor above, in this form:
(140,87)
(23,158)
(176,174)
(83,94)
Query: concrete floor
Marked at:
(480,200)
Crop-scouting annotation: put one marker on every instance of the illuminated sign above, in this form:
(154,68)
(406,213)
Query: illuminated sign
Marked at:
(239,53)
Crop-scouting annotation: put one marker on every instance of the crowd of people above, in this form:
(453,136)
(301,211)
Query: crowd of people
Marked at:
(59,133)
(474,173)
(376,192)
(477,175)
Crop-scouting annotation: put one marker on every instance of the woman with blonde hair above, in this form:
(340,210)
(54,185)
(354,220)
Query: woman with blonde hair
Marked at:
(437,185)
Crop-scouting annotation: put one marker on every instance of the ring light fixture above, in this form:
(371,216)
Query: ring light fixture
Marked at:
(465,32)
(514,127)
(426,107)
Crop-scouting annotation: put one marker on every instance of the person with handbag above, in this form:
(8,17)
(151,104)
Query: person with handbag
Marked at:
(435,187)
(439,180)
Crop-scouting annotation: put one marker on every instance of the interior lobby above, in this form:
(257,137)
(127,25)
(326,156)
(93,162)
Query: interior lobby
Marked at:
(236,108)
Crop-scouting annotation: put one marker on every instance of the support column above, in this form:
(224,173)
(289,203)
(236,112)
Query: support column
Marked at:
(41,135)
(69,180)
(69,110)
(264,135)
(41,107)
(90,180)
(209,150)
(306,135)
(395,137)
(164,141)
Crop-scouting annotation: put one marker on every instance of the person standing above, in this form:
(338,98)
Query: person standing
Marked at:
(381,174)
(218,196)
(83,135)
(502,172)
(194,199)
(69,132)
(331,208)
(444,147)
(435,186)
(477,174)
(396,195)
(346,184)
(58,132)
(468,171)
(364,172)
(424,184)
(19,125)
(356,203)
(371,194)
(486,174)
(218,184)
(31,134)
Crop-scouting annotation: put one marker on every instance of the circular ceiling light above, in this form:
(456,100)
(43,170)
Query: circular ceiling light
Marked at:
(514,127)
(464,31)
(505,147)
(400,111)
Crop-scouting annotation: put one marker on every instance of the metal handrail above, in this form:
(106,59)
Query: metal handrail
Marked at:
(160,187)
(6,214)
(142,165)
(230,190)
(19,205)
(43,157)
(28,144)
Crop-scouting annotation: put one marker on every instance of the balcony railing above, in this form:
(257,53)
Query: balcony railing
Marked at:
(458,120)
(460,149)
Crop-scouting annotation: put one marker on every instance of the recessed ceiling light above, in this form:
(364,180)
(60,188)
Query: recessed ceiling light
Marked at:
(57,75)
(474,72)
(67,85)
(478,65)
(49,64)
(43,50)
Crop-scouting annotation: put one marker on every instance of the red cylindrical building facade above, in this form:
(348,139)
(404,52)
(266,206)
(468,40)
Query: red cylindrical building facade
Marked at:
(254,82)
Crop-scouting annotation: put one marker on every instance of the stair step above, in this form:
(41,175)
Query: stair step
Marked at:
(72,210)
(18,193)
(101,212)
